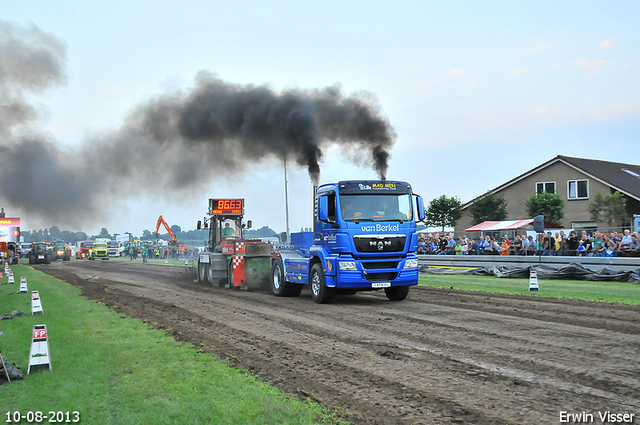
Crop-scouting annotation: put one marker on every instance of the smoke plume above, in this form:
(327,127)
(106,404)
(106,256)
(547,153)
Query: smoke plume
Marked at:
(177,140)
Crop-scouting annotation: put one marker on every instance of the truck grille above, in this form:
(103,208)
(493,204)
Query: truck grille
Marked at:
(380,243)
(380,265)
(377,277)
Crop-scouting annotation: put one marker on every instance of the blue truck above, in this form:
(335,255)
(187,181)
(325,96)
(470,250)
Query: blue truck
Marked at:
(364,238)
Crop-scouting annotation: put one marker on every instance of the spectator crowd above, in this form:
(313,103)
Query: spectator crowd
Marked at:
(596,244)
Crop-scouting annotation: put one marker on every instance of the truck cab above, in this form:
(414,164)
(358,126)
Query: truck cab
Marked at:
(85,250)
(364,239)
(99,250)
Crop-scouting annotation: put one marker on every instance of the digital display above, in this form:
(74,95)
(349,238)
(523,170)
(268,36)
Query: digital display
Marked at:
(226,206)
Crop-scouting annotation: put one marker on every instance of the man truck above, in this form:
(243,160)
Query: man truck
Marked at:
(364,239)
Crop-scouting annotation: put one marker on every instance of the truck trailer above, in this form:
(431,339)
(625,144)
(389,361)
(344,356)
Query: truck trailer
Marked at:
(364,239)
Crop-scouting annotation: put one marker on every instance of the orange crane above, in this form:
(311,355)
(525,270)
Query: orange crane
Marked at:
(173,241)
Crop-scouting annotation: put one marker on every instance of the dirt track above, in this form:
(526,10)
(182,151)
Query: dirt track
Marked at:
(439,357)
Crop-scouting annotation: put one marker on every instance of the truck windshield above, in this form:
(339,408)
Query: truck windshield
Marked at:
(376,207)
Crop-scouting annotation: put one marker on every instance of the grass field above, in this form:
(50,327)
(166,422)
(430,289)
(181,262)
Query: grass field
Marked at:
(612,292)
(116,370)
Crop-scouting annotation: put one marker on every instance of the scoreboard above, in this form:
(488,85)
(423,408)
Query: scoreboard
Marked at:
(226,207)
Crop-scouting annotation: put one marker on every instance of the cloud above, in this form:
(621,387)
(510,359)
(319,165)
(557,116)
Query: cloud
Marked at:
(472,83)
(540,45)
(456,73)
(425,84)
(614,111)
(517,71)
(428,143)
(593,66)
(412,67)
(607,43)
(536,46)
(541,112)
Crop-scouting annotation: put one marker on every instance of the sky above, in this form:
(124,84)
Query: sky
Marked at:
(465,96)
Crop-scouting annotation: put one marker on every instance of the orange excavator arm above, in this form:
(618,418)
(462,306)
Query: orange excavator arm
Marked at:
(166,226)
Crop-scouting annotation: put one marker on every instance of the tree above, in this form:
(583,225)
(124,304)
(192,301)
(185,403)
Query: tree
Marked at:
(443,211)
(596,206)
(489,207)
(548,204)
(608,208)
(54,231)
(176,229)
(262,232)
(104,234)
(147,235)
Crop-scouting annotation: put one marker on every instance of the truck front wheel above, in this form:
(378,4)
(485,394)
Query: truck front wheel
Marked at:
(397,293)
(320,293)
(279,286)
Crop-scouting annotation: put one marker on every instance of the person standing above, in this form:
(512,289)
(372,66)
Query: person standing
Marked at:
(504,247)
(145,254)
(550,244)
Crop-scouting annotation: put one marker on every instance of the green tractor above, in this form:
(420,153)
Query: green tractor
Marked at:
(60,250)
(40,253)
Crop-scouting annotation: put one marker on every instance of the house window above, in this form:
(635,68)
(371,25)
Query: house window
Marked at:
(549,187)
(578,189)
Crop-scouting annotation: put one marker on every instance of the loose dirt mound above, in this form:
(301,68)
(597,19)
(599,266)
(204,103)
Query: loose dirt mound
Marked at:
(440,357)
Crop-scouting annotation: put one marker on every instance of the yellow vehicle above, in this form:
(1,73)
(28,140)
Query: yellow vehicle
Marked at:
(99,250)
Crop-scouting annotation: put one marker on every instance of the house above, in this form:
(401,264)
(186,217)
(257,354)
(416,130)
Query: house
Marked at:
(576,180)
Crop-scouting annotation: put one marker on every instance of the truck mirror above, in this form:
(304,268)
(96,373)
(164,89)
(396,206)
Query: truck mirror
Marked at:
(420,204)
(249,224)
(283,237)
(323,208)
(199,225)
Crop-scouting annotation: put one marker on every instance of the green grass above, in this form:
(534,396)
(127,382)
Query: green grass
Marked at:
(611,292)
(117,370)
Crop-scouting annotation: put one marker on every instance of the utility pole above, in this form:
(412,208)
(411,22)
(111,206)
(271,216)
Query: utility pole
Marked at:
(286,198)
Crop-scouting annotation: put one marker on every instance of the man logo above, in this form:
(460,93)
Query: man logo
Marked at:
(380,244)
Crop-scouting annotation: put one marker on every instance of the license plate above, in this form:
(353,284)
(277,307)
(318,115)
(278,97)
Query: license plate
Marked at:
(381,284)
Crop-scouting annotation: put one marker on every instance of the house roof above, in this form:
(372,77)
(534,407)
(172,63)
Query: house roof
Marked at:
(618,175)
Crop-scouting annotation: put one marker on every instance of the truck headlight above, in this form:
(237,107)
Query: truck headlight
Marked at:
(347,265)
(411,264)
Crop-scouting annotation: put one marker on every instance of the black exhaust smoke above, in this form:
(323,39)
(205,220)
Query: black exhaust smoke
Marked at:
(176,141)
